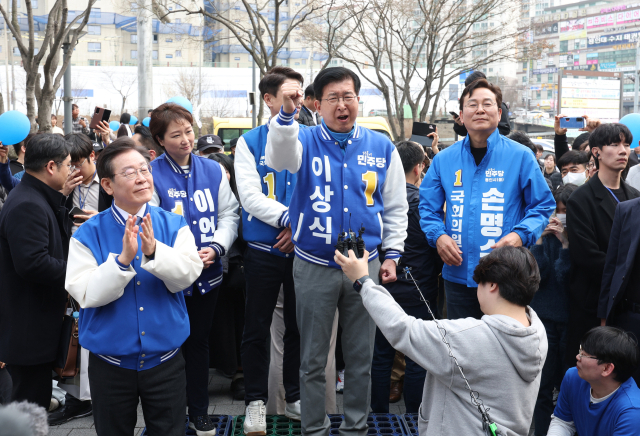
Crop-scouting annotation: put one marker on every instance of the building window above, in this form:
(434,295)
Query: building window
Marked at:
(491,70)
(96,13)
(304,61)
(155,38)
(178,53)
(16,51)
(94,62)
(524,79)
(549,95)
(564,46)
(94,47)
(134,7)
(550,78)
(297,63)
(154,55)
(539,78)
(134,38)
(178,21)
(236,59)
(134,54)
(168,40)
(178,37)
(0,49)
(169,56)
(93,30)
(34,4)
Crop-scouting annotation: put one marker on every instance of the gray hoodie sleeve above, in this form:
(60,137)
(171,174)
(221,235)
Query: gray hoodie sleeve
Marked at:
(418,339)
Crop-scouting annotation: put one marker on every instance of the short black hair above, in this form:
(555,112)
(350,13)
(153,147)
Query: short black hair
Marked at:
(612,345)
(44,148)
(523,139)
(563,192)
(481,83)
(514,270)
(18,147)
(125,118)
(607,134)
(80,146)
(411,154)
(147,140)
(476,75)
(275,77)
(309,92)
(572,157)
(553,156)
(104,165)
(74,106)
(580,139)
(227,163)
(333,75)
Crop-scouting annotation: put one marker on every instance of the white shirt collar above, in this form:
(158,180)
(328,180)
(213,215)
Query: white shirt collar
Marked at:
(125,215)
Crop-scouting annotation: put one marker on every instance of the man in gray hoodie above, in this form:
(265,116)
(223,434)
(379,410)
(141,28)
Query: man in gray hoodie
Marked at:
(502,354)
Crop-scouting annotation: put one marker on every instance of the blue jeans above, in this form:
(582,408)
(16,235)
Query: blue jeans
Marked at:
(381,367)
(552,374)
(462,301)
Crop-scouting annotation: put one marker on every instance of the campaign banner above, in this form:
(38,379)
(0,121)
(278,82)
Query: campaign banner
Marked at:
(573,29)
(601,21)
(545,71)
(628,16)
(618,69)
(591,93)
(607,65)
(615,39)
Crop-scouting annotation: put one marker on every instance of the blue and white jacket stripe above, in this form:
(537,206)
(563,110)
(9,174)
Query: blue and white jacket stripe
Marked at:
(203,196)
(133,317)
(335,190)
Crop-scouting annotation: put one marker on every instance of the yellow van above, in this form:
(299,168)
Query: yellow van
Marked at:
(230,128)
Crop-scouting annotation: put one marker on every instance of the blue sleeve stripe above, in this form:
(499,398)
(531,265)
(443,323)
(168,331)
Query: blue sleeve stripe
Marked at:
(121,266)
(219,249)
(392,254)
(284,118)
(284,219)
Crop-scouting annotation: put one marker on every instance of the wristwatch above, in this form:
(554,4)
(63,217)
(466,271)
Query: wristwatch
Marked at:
(357,285)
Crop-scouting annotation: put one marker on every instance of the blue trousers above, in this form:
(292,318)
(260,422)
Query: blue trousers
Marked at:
(462,301)
(382,365)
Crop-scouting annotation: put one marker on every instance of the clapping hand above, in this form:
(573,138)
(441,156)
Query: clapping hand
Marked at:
(147,237)
(129,242)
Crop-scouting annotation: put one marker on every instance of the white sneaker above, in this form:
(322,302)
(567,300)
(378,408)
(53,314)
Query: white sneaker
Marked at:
(340,382)
(292,411)
(255,420)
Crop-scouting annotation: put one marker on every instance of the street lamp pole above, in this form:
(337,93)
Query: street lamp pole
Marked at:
(66,98)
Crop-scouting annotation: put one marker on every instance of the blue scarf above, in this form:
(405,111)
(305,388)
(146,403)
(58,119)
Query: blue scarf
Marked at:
(340,138)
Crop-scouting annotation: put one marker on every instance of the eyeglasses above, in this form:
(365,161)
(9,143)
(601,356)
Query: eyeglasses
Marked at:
(72,168)
(132,173)
(591,165)
(486,105)
(60,164)
(349,98)
(582,356)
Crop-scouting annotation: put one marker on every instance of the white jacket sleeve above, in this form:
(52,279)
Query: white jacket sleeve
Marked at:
(93,285)
(558,427)
(250,188)
(418,339)
(228,218)
(178,266)
(394,218)
(283,150)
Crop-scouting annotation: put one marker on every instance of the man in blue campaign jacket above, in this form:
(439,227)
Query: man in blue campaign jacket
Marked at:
(348,176)
(494,192)
(127,268)
(268,261)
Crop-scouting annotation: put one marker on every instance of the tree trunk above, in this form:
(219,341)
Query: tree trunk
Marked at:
(1,104)
(124,101)
(44,111)
(31,100)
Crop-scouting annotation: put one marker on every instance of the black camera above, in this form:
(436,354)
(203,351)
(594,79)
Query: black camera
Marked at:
(349,241)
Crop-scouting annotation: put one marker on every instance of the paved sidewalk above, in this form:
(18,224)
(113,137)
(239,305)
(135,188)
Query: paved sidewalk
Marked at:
(220,400)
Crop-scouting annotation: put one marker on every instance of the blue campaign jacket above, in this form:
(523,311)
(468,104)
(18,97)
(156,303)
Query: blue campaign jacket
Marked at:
(118,332)
(339,190)
(194,196)
(258,234)
(505,193)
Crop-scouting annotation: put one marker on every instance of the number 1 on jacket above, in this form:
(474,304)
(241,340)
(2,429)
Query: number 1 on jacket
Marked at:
(370,178)
(458,181)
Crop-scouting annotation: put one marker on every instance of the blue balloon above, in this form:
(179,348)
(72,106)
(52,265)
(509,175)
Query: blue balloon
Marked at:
(146,121)
(182,101)
(14,127)
(133,120)
(114,125)
(632,121)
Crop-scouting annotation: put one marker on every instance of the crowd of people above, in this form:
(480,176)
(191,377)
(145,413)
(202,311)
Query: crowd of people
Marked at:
(316,255)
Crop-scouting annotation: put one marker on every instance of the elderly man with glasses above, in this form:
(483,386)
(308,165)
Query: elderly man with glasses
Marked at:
(495,196)
(127,269)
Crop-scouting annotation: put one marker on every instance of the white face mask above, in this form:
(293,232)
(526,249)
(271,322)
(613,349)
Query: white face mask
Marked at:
(575,178)
(563,218)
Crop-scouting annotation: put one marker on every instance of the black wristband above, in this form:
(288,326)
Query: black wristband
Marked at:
(357,285)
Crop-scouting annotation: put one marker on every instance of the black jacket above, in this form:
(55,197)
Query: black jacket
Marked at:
(560,145)
(34,244)
(423,260)
(306,117)
(623,249)
(590,212)
(503,126)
